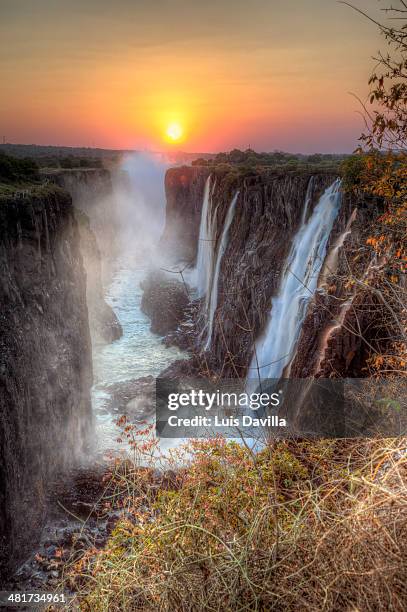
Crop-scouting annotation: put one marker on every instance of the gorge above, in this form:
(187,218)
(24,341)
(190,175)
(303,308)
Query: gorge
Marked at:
(251,273)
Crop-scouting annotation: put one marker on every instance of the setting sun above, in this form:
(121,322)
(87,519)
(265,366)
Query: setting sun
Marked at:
(174,132)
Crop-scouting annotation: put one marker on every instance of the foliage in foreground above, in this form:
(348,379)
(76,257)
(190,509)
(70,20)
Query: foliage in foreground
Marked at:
(298,526)
(379,180)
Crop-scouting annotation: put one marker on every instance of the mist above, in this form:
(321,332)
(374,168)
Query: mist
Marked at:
(139,203)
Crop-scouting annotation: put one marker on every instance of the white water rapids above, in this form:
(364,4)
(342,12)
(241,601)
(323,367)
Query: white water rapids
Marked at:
(137,353)
(138,207)
(276,346)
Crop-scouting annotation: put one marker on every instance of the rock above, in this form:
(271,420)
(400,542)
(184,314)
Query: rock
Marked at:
(45,360)
(267,216)
(268,213)
(104,324)
(165,301)
(184,189)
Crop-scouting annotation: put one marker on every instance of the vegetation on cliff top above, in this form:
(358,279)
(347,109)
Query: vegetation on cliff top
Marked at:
(62,157)
(250,162)
(13,170)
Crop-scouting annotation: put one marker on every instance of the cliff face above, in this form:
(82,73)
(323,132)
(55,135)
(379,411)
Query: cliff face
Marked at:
(104,324)
(184,188)
(343,320)
(268,213)
(45,359)
(92,193)
(164,301)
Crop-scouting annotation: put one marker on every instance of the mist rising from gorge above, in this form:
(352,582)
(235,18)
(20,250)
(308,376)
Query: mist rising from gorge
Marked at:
(139,202)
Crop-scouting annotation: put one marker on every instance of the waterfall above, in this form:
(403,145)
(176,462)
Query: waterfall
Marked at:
(205,248)
(213,297)
(275,347)
(308,197)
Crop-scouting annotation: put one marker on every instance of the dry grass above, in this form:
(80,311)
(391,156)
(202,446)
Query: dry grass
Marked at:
(299,526)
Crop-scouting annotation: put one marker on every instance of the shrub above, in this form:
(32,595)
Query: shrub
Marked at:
(300,525)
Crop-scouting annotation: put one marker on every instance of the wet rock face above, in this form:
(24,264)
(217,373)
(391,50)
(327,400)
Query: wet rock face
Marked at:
(45,360)
(104,324)
(267,215)
(134,398)
(184,188)
(92,193)
(343,320)
(165,301)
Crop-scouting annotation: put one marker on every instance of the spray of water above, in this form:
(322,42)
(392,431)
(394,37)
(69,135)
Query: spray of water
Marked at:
(127,216)
(213,297)
(204,258)
(139,202)
(275,347)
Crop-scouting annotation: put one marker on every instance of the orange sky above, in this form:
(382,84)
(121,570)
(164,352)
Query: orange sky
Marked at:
(272,74)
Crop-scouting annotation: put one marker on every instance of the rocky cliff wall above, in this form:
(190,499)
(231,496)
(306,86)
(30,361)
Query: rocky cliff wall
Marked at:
(92,193)
(267,215)
(45,359)
(344,322)
(338,326)
(104,324)
(184,189)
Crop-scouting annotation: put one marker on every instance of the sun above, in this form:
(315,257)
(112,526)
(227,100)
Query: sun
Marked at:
(174,132)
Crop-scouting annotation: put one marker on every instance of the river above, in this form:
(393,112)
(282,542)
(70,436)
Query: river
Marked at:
(136,354)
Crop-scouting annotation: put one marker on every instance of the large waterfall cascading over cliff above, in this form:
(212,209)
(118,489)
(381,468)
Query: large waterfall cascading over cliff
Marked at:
(213,298)
(275,347)
(203,266)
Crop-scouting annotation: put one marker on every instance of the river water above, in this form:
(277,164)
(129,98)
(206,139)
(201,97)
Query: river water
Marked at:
(137,353)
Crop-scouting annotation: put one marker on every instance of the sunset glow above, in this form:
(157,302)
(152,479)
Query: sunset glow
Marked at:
(207,76)
(174,132)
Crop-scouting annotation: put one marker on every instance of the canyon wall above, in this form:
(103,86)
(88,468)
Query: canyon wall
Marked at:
(45,359)
(104,324)
(184,188)
(99,229)
(268,213)
(92,193)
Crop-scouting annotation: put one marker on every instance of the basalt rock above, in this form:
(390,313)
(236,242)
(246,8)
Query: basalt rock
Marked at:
(45,360)
(104,324)
(341,320)
(92,193)
(267,215)
(134,398)
(165,301)
(184,189)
